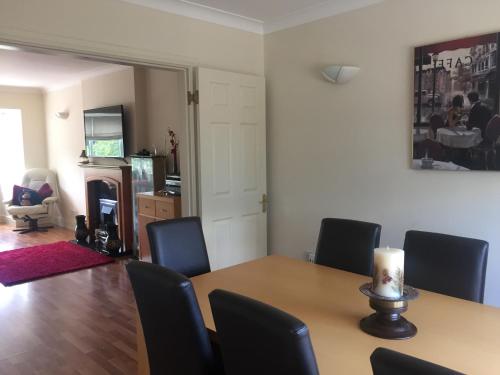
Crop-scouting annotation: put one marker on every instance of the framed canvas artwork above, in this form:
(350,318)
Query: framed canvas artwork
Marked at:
(456,122)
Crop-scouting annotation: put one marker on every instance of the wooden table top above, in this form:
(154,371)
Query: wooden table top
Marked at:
(462,335)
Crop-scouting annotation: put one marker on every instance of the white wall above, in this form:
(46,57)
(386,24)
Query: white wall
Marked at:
(116,28)
(65,140)
(30,101)
(151,103)
(344,150)
(163,104)
(113,89)
(140,106)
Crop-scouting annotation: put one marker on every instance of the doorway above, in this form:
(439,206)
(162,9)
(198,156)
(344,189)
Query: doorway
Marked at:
(92,104)
(242,133)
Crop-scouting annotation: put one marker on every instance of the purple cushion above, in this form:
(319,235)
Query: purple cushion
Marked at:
(16,192)
(45,191)
(17,195)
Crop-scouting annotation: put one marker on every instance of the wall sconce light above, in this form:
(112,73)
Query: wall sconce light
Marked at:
(340,73)
(6,47)
(63,115)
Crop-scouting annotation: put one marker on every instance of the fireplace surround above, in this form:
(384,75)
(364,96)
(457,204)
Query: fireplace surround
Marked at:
(109,199)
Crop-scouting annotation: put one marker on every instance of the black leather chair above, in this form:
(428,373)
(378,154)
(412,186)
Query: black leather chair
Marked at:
(451,265)
(177,341)
(348,245)
(179,244)
(389,362)
(256,338)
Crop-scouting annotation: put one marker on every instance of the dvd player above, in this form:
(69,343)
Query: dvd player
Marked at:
(173,184)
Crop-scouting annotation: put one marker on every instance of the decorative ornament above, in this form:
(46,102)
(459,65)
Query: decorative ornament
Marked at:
(174,144)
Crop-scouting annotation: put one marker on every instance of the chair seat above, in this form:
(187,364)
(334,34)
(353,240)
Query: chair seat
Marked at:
(177,341)
(179,244)
(347,245)
(446,264)
(38,209)
(388,362)
(259,339)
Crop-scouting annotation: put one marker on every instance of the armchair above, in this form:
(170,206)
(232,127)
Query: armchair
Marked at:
(45,213)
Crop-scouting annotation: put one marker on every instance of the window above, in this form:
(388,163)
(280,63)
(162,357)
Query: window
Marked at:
(11,150)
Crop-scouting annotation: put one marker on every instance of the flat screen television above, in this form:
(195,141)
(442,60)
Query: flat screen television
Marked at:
(104,135)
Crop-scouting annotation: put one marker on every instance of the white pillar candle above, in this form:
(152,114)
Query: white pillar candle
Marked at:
(388,280)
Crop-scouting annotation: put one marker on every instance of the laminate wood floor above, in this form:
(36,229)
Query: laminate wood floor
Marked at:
(10,240)
(76,323)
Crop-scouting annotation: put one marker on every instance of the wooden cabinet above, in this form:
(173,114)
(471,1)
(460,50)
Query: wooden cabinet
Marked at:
(144,250)
(165,209)
(146,207)
(153,207)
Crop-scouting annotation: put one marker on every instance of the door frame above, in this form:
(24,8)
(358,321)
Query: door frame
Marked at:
(131,57)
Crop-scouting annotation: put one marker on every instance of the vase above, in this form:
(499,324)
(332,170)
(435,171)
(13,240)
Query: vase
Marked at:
(113,244)
(81,230)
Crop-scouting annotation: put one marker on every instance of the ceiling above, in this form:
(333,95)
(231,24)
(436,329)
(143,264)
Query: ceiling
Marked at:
(260,16)
(49,72)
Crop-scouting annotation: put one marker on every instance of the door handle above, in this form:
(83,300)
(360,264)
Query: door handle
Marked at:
(264,202)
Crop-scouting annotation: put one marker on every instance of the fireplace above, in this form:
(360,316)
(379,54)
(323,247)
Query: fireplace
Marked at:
(109,200)
(108,212)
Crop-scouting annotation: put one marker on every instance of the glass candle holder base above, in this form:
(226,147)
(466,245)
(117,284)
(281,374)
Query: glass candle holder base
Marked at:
(387,322)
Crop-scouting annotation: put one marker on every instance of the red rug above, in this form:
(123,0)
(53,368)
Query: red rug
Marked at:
(31,263)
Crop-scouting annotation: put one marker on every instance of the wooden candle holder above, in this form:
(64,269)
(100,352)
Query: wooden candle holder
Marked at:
(387,322)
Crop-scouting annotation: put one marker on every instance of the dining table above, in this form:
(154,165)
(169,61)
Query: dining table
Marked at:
(438,165)
(452,332)
(459,137)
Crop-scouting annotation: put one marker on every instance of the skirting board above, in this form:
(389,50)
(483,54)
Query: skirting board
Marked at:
(6,220)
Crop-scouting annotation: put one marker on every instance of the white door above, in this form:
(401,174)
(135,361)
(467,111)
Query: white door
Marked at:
(232,161)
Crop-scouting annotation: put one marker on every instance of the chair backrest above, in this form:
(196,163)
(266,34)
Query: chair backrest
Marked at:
(493,129)
(179,244)
(451,265)
(177,341)
(36,177)
(436,122)
(348,245)
(256,338)
(389,362)
(429,148)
